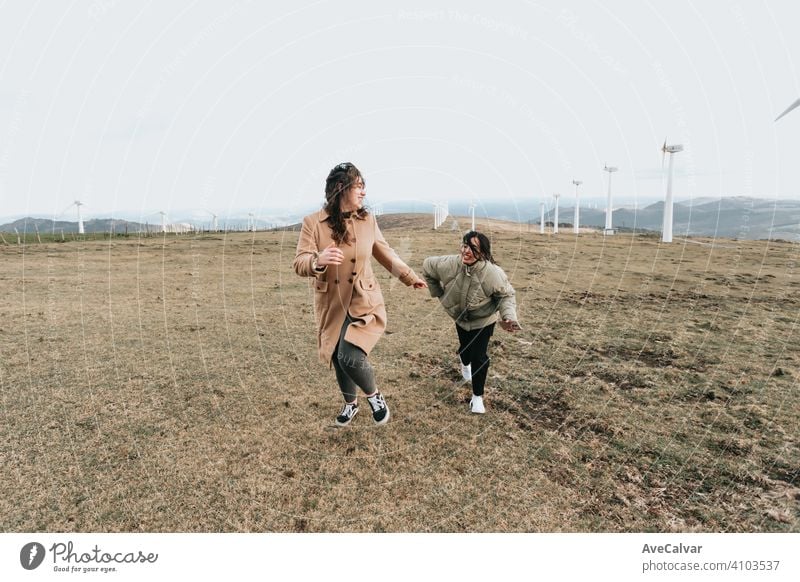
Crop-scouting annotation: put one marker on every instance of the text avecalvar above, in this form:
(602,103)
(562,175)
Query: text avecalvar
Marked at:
(671,549)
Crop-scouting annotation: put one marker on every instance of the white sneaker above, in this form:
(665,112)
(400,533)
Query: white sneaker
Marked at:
(476,405)
(466,371)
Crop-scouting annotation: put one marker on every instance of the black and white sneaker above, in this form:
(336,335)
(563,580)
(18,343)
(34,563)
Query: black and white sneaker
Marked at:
(380,412)
(349,411)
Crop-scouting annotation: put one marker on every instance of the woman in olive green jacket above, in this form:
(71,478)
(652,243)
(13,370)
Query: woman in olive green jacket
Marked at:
(473,289)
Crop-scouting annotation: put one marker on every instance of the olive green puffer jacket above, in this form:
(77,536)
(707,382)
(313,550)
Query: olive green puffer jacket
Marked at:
(471,295)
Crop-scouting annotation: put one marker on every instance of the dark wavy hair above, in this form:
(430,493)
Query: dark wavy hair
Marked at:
(485,252)
(339,180)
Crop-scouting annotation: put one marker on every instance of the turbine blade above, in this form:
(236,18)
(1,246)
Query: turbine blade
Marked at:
(792,106)
(663,152)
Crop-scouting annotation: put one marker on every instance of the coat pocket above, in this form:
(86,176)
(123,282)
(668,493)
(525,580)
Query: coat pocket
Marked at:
(321,286)
(371,292)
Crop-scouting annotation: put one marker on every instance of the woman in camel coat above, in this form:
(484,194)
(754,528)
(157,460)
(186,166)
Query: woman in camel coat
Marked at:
(335,247)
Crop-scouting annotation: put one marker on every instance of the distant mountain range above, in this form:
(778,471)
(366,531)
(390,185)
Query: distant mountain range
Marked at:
(739,218)
(47,226)
(98,225)
(736,217)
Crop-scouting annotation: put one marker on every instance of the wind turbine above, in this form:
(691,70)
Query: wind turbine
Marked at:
(555,217)
(576,227)
(251,222)
(78,205)
(472,212)
(163,220)
(666,231)
(792,106)
(214,225)
(439,214)
(609,228)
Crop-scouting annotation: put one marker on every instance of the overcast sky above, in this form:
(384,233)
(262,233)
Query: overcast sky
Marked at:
(135,106)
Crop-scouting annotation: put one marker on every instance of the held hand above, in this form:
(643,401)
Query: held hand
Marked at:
(420,284)
(510,325)
(330,255)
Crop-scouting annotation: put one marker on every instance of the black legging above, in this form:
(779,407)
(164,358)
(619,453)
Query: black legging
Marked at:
(352,367)
(472,351)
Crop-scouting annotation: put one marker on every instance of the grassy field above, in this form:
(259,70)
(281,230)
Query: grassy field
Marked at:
(171,384)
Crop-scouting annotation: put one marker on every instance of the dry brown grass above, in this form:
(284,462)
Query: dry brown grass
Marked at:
(172,385)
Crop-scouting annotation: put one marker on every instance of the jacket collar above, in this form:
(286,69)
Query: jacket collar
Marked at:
(474,268)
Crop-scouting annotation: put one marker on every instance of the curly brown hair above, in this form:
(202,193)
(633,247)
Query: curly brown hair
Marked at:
(340,178)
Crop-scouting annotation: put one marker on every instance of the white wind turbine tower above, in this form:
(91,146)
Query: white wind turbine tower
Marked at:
(609,228)
(555,216)
(213,219)
(163,221)
(541,218)
(251,222)
(214,224)
(577,219)
(472,212)
(78,205)
(439,214)
(788,109)
(666,231)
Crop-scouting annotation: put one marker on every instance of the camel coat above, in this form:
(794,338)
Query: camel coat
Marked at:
(350,287)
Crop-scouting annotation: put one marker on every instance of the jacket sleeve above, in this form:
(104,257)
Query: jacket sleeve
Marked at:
(503,293)
(307,251)
(430,271)
(386,256)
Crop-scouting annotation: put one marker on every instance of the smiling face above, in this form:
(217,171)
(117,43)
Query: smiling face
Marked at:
(353,197)
(471,253)
(344,189)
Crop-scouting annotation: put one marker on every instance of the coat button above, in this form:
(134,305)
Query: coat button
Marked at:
(349,280)
(354,273)
(336,281)
(352,260)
